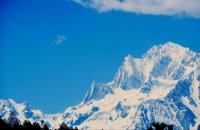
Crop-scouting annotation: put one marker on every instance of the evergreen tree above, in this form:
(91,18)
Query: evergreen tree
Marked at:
(45,127)
(27,125)
(12,119)
(36,126)
(63,126)
(160,126)
(17,126)
(3,124)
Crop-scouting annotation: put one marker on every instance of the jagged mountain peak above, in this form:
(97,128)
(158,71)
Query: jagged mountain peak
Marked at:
(170,45)
(170,50)
(97,91)
(175,51)
(129,64)
(161,86)
(167,47)
(166,61)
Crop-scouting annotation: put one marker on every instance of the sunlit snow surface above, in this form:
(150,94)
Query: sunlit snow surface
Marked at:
(162,86)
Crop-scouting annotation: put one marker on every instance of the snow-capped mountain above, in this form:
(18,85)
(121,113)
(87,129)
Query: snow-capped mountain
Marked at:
(19,112)
(10,109)
(161,86)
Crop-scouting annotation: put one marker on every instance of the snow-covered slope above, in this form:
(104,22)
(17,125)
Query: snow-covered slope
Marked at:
(14,112)
(161,86)
(9,108)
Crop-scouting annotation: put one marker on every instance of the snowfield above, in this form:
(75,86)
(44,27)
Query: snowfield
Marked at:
(161,86)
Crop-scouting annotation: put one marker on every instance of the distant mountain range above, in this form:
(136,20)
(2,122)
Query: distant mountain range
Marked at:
(161,86)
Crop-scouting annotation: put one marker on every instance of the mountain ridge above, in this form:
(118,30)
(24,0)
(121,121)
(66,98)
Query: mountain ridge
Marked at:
(161,86)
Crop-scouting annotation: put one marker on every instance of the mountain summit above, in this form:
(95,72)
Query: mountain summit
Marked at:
(167,61)
(161,86)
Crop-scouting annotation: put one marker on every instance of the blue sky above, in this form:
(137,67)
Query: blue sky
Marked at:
(52,50)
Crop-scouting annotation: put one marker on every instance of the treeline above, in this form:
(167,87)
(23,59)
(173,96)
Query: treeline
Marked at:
(27,125)
(160,126)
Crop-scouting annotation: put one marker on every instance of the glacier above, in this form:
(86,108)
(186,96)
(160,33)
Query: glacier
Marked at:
(161,86)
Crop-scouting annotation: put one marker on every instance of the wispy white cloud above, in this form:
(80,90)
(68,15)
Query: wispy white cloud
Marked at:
(155,7)
(60,39)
